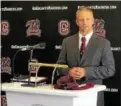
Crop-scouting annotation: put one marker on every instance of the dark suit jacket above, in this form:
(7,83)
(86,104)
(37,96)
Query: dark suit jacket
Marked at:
(97,59)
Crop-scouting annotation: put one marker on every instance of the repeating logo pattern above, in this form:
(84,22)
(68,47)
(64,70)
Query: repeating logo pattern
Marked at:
(99,27)
(3,100)
(33,28)
(32,68)
(5,65)
(64,27)
(5,28)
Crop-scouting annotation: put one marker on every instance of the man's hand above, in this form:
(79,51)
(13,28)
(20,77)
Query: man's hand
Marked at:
(77,72)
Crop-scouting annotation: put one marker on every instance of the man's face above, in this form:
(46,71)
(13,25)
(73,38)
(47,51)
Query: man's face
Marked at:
(85,21)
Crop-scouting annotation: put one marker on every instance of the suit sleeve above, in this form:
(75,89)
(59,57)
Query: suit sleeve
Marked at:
(107,69)
(62,60)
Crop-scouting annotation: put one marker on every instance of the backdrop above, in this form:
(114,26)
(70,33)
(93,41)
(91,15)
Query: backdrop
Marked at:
(26,23)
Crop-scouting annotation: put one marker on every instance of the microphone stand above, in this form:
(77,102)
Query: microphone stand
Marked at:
(52,78)
(30,59)
(29,69)
(13,69)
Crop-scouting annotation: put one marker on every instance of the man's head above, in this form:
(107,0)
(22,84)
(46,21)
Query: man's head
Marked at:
(85,19)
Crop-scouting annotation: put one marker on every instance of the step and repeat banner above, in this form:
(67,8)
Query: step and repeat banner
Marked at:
(26,23)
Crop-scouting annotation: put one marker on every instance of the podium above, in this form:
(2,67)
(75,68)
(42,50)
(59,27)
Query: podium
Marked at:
(46,95)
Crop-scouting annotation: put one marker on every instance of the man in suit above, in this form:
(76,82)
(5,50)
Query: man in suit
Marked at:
(88,55)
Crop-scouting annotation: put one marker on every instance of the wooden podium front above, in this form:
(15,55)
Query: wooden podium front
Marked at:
(46,95)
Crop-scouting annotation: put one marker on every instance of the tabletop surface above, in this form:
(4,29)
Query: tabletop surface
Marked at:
(48,89)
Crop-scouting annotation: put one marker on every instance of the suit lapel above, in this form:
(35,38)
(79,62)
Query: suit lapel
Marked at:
(90,48)
(76,48)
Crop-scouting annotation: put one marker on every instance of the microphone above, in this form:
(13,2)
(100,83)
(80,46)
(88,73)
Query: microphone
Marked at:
(31,47)
(24,49)
(56,65)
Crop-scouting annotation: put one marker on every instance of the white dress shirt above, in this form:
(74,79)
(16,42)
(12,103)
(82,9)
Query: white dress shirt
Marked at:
(87,36)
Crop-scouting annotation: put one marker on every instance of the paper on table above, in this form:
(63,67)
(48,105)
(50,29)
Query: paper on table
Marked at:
(32,79)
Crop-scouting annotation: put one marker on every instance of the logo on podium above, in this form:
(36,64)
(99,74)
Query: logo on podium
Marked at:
(37,105)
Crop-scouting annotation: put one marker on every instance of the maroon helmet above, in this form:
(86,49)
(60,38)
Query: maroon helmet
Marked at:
(68,83)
